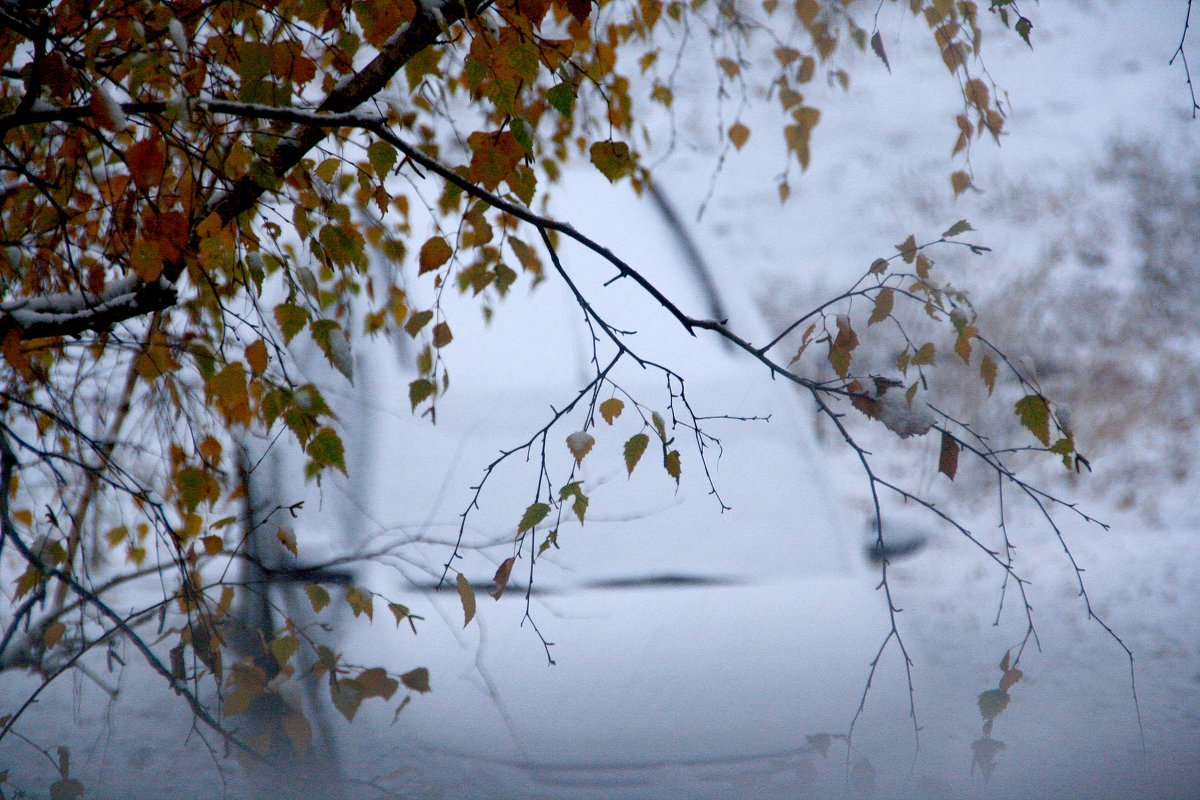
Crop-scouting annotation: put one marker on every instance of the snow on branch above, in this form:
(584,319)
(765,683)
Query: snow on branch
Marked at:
(72,313)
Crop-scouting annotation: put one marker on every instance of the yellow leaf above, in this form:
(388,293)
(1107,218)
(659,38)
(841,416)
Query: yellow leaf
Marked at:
(611,408)
(739,134)
(30,578)
(146,260)
(987,371)
(807,11)
(672,466)
(284,648)
(287,539)
(212,544)
(361,602)
(317,596)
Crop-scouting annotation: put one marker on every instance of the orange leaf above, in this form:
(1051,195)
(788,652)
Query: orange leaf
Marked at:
(256,356)
(14,355)
(502,574)
(434,253)
(948,460)
(147,161)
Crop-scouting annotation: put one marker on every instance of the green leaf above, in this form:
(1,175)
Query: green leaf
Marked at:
(382,157)
(520,131)
(634,448)
(1024,26)
(66,789)
(532,516)
(1063,447)
(361,602)
(672,465)
(962,226)
(612,159)
(562,98)
(551,540)
(400,612)
(1034,413)
(580,504)
(839,359)
(926,355)
(525,61)
(291,320)
(992,702)
(419,391)
(417,321)
(317,596)
(326,449)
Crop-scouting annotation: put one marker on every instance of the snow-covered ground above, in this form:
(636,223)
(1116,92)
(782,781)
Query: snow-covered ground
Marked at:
(724,684)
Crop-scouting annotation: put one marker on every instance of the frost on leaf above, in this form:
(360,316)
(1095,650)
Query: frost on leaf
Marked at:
(895,408)
(107,112)
(580,444)
(332,340)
